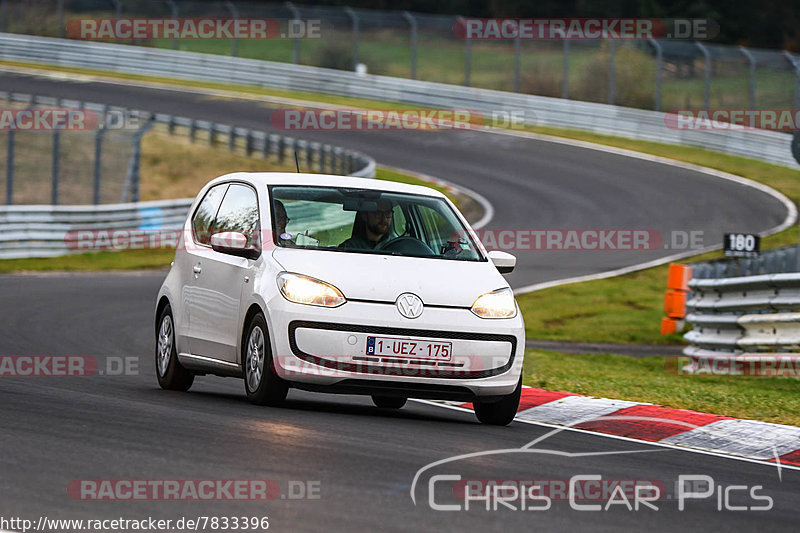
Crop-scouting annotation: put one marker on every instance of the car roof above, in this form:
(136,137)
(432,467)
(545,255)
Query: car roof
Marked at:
(329,180)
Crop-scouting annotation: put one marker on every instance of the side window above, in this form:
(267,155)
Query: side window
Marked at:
(436,227)
(399,220)
(204,216)
(239,212)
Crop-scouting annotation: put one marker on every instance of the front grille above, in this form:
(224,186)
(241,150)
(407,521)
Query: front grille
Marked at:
(451,372)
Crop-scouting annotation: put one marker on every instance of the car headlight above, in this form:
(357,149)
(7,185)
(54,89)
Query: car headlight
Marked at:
(310,291)
(496,304)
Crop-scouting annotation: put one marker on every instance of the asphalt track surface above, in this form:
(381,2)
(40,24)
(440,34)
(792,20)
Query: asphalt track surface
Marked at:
(56,430)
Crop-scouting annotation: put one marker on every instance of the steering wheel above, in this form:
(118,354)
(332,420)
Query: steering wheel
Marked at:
(405,244)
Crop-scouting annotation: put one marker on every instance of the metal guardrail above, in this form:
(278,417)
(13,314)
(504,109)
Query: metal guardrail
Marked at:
(46,231)
(668,73)
(776,261)
(772,147)
(744,317)
(49,230)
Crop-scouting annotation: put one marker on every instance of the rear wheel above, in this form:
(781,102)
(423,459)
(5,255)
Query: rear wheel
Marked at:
(502,412)
(171,375)
(262,384)
(389,402)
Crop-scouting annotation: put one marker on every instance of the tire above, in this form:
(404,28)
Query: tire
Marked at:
(171,375)
(262,385)
(389,402)
(502,412)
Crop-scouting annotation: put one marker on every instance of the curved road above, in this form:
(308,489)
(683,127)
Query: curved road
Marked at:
(533,185)
(362,459)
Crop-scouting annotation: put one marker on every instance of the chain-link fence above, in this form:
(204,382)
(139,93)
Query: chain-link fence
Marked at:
(60,151)
(45,162)
(649,74)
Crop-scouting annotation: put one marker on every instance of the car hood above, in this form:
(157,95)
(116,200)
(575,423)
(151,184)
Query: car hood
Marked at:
(384,277)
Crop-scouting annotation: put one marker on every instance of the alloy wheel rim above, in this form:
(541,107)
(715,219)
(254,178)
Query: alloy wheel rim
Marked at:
(255,358)
(164,345)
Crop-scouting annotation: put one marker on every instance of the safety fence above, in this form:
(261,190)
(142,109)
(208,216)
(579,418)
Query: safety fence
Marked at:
(770,146)
(776,261)
(49,230)
(46,230)
(84,167)
(658,74)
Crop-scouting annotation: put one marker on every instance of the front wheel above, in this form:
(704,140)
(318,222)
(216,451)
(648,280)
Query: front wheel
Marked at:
(502,412)
(262,384)
(171,375)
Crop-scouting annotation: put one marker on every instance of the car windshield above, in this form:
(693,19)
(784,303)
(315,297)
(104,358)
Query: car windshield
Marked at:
(369,221)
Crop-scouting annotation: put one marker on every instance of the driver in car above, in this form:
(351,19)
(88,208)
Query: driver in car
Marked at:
(371,228)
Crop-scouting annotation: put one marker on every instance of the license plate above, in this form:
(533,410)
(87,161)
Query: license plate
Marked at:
(409,348)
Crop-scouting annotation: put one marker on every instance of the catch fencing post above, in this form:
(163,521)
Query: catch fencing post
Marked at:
(173,8)
(235,14)
(98,163)
(117,12)
(354,19)
(295,40)
(517,53)
(796,66)
(659,69)
(412,24)
(55,172)
(565,76)
(132,179)
(612,71)
(4,15)
(10,168)
(467,59)
(98,159)
(752,61)
(706,75)
(60,17)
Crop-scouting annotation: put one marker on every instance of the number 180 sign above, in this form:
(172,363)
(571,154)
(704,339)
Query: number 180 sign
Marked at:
(742,245)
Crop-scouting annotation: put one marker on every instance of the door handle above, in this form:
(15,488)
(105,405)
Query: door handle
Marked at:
(196,269)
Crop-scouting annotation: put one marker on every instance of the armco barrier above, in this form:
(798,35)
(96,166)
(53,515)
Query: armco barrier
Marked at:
(42,230)
(775,261)
(744,317)
(772,147)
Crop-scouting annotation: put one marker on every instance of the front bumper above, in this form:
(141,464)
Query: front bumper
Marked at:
(326,349)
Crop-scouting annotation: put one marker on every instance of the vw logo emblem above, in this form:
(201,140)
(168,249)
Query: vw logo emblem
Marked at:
(409,305)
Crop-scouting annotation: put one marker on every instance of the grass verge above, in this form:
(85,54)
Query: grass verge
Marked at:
(646,380)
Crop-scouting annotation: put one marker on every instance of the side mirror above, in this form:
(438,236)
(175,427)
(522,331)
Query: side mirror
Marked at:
(503,261)
(233,243)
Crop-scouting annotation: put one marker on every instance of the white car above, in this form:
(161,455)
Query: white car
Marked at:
(342,285)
